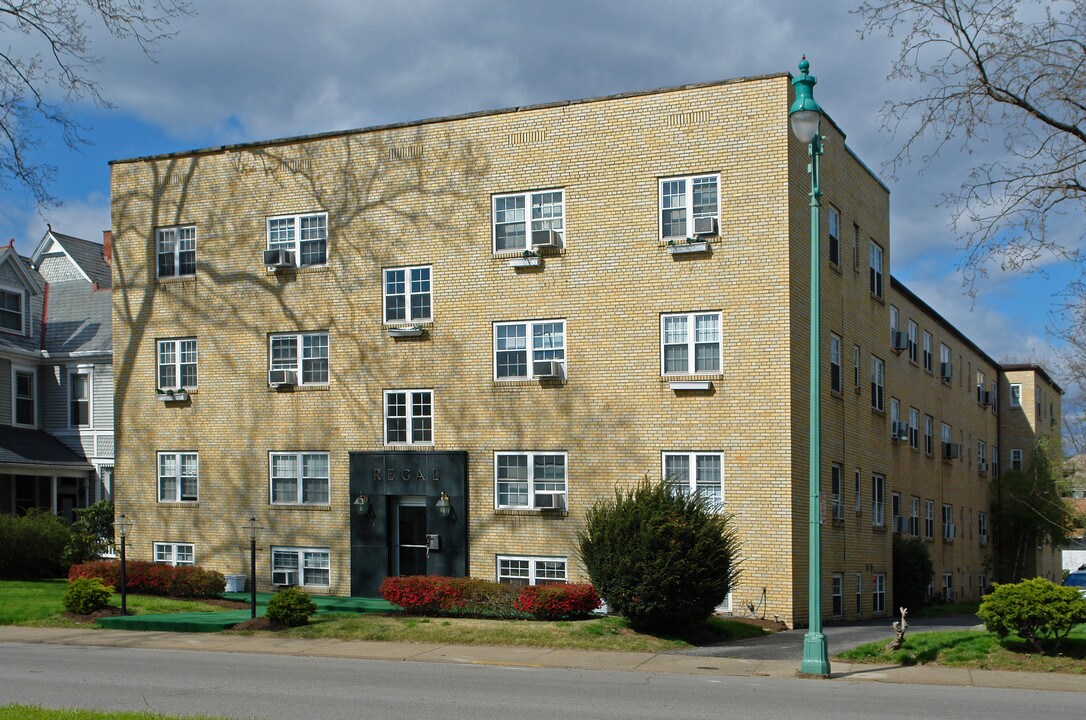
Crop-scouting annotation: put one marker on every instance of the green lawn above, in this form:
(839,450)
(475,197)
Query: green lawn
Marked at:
(33,712)
(37,603)
(594,633)
(975,649)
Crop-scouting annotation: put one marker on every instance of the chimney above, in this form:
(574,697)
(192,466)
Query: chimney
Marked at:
(107,247)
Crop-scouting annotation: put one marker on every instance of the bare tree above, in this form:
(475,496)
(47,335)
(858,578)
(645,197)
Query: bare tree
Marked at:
(47,65)
(1012,69)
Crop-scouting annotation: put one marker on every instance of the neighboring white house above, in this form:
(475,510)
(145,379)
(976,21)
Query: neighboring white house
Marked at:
(56,376)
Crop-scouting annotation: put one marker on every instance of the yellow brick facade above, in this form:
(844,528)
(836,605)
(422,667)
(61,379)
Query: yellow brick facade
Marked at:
(421,194)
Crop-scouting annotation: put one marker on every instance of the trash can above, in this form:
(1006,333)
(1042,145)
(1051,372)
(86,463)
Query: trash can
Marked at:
(236,583)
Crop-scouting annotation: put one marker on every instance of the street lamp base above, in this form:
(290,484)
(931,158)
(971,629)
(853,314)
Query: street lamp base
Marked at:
(816,659)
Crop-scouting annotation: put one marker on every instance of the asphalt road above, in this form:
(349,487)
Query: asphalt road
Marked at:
(788,645)
(295,688)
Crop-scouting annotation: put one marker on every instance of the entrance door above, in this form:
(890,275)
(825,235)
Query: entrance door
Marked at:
(409,543)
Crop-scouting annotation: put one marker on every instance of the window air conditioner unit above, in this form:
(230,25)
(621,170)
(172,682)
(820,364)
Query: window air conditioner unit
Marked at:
(546,239)
(282,378)
(951,451)
(982,467)
(988,398)
(899,430)
(550,502)
(705,226)
(547,369)
(946,371)
(278,258)
(898,340)
(285,577)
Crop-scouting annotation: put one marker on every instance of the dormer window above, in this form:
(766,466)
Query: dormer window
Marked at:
(12,310)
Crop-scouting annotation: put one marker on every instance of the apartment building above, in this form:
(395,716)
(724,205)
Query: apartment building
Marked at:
(430,347)
(56,379)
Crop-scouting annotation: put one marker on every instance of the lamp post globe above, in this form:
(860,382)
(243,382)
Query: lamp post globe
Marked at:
(805,115)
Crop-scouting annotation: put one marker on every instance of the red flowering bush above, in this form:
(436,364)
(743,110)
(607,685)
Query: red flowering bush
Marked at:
(472,597)
(147,578)
(556,602)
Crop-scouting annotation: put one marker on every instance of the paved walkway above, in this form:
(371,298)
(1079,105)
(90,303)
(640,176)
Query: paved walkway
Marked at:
(536,657)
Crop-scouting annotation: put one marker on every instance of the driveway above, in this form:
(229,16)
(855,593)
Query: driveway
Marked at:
(788,645)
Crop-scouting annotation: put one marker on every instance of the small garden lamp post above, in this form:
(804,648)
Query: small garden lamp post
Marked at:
(805,116)
(123,526)
(254,533)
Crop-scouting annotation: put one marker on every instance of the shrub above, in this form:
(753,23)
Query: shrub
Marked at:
(913,571)
(556,602)
(486,598)
(1034,610)
(660,558)
(91,533)
(291,607)
(422,594)
(147,578)
(32,546)
(86,595)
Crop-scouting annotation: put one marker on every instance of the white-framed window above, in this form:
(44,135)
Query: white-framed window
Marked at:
(878,486)
(24,400)
(13,310)
(683,199)
(523,350)
(856,367)
(948,586)
(875,275)
(929,435)
(895,511)
(837,491)
(177,364)
(1016,395)
(838,588)
(858,506)
(982,526)
(948,521)
(520,220)
(895,411)
(895,319)
(928,348)
(79,398)
(696,472)
(520,570)
(995,461)
(178,477)
(982,386)
(982,451)
(530,480)
(305,566)
(299,478)
(914,428)
(878,593)
(690,343)
(982,584)
(929,519)
(946,368)
(835,363)
(408,295)
(913,342)
(835,236)
(859,593)
(878,379)
(305,236)
(1016,459)
(176,247)
(409,417)
(306,354)
(172,553)
(914,517)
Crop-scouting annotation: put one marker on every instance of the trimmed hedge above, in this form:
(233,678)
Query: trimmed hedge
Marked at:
(147,578)
(85,596)
(1035,610)
(290,606)
(32,546)
(473,597)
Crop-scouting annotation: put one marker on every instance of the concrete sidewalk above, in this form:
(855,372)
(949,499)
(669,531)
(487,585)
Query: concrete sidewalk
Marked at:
(536,657)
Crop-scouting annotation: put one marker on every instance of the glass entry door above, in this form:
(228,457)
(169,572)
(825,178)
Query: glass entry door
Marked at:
(409,530)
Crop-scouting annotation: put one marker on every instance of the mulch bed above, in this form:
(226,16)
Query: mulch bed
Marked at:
(260,623)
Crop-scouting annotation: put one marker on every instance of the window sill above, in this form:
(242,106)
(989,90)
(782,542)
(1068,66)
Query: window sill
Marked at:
(837,394)
(295,270)
(405,331)
(877,411)
(300,506)
(878,298)
(689,248)
(538,512)
(288,389)
(520,263)
(183,504)
(690,385)
(878,528)
(177,279)
(409,446)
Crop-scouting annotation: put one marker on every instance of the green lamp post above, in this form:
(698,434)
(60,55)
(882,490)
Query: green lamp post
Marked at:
(805,116)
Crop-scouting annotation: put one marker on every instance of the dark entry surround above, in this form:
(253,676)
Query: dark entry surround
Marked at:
(387,478)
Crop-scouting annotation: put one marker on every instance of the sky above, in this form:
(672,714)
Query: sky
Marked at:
(240,71)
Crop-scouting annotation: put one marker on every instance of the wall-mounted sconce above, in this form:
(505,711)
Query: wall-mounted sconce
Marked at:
(444,507)
(362,504)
